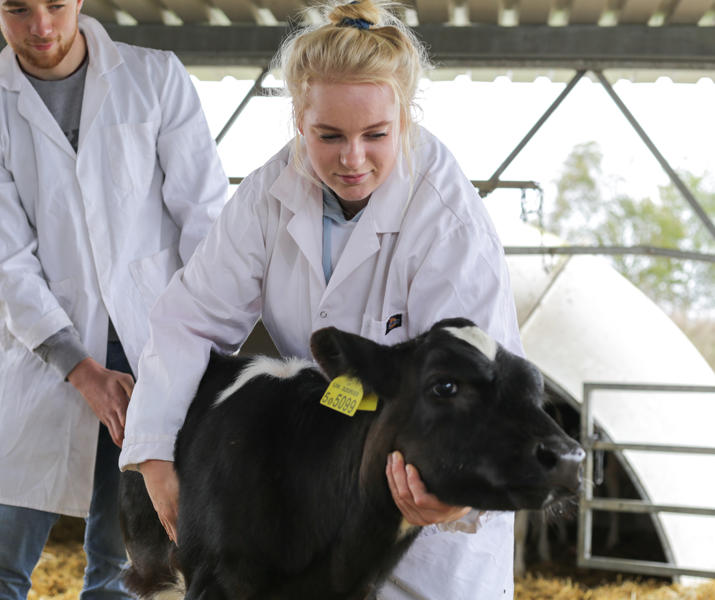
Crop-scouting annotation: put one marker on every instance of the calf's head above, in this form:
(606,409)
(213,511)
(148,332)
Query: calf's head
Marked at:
(463,410)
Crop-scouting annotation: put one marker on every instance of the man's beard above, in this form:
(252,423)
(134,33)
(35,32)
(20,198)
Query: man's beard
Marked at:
(45,60)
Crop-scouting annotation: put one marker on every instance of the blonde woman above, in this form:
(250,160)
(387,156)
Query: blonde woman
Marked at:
(364,222)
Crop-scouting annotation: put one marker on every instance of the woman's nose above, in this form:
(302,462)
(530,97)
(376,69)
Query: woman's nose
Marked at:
(352,155)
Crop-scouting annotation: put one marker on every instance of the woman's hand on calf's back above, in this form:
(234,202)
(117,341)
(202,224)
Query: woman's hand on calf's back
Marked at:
(162,484)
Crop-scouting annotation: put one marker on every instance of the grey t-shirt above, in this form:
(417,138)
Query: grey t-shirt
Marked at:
(63,98)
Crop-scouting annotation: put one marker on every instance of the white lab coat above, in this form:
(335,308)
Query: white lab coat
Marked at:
(424,248)
(86,235)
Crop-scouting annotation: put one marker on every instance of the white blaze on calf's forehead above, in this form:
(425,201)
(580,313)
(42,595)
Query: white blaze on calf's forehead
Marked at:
(265,365)
(477,338)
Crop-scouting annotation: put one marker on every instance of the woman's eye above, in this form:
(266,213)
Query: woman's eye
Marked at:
(445,389)
(376,136)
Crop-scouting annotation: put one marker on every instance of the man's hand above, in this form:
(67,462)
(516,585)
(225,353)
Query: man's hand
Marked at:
(417,506)
(163,487)
(107,393)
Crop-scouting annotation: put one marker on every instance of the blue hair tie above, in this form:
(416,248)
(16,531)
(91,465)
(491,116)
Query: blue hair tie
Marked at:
(358,23)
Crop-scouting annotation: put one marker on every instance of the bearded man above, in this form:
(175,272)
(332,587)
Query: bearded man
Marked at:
(109,179)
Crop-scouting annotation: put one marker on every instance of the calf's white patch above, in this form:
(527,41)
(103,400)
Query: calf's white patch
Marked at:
(279,368)
(477,338)
(176,592)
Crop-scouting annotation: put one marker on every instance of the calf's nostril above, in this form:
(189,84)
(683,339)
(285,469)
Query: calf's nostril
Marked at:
(546,456)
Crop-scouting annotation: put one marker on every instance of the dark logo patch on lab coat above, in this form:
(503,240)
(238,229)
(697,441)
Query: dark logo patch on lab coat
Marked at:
(393,322)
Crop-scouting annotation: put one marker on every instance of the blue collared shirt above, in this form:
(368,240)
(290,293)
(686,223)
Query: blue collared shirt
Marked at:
(336,231)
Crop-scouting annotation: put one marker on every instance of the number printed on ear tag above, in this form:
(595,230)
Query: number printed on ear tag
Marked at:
(345,394)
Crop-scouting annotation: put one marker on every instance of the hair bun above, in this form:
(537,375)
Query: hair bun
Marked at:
(360,14)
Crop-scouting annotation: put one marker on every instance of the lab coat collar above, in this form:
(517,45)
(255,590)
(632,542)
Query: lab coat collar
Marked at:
(103,53)
(29,103)
(103,57)
(389,202)
(11,76)
(386,206)
(303,198)
(383,214)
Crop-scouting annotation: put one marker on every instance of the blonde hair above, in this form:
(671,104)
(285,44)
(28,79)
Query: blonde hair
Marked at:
(360,42)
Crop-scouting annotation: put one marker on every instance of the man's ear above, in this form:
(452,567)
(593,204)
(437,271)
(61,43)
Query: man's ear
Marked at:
(341,353)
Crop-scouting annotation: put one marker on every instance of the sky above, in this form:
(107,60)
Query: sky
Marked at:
(481,122)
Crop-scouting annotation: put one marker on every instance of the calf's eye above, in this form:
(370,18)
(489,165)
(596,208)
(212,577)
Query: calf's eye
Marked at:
(445,389)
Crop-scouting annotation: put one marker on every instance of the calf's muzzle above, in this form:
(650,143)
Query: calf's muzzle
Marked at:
(561,460)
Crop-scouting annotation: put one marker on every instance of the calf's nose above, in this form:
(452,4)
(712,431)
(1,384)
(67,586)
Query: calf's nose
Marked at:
(561,459)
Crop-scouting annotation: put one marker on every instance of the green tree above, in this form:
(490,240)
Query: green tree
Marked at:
(585,212)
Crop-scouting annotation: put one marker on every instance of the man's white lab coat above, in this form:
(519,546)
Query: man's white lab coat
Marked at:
(88,235)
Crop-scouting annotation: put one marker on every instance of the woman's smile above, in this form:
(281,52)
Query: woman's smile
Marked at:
(352,134)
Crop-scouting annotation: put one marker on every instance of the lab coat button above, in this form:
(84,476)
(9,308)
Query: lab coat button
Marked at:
(323,314)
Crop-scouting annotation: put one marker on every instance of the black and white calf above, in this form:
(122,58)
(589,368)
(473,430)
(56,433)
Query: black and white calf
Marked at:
(285,498)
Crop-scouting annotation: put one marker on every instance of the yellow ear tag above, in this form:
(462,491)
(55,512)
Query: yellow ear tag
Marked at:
(368,403)
(345,394)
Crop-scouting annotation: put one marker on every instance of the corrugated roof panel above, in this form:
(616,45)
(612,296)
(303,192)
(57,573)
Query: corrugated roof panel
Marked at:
(527,12)
(689,11)
(283,9)
(99,9)
(650,75)
(189,11)
(216,73)
(586,12)
(534,12)
(483,11)
(565,75)
(143,11)
(508,34)
(239,11)
(638,11)
(432,11)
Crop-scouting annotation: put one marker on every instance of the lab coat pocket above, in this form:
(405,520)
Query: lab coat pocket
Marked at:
(389,330)
(131,155)
(65,292)
(152,273)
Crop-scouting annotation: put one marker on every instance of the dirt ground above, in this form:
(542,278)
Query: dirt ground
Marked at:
(58,576)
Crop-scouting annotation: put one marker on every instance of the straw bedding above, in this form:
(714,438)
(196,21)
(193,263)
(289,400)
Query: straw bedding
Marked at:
(58,576)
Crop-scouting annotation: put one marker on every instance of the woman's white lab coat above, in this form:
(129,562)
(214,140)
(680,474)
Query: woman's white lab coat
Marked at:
(86,235)
(424,249)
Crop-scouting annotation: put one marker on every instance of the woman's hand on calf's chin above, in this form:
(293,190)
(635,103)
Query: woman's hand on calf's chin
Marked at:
(417,506)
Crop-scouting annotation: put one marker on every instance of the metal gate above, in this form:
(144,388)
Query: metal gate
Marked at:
(588,503)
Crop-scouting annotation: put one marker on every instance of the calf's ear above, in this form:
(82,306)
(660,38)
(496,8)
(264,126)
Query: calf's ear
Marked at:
(341,353)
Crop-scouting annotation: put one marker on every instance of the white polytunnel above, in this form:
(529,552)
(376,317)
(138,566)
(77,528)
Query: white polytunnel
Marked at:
(581,321)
